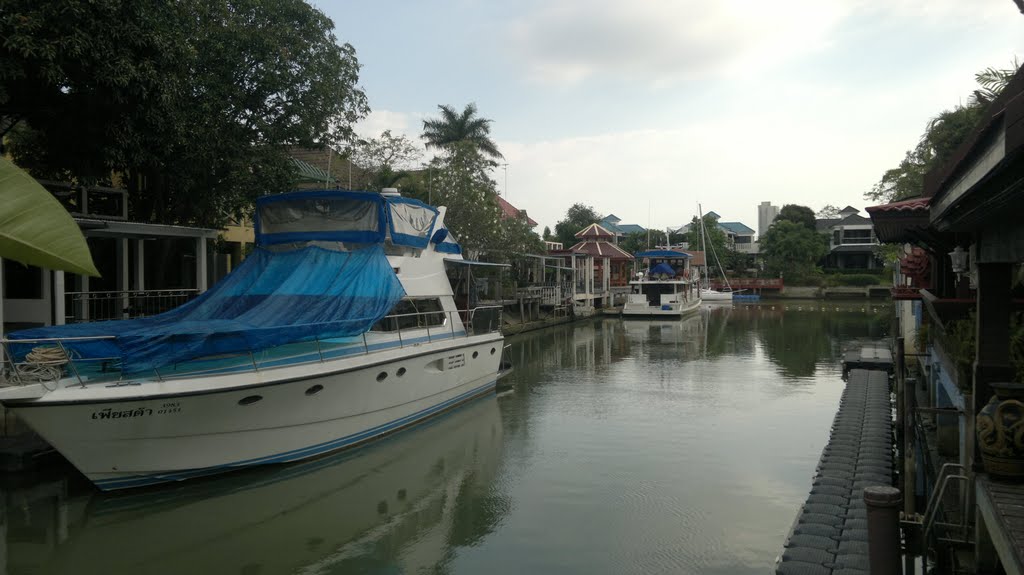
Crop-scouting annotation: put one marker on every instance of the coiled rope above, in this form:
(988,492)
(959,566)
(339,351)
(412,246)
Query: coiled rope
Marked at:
(43,364)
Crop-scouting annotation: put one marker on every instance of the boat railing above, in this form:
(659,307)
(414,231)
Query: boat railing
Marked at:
(52,359)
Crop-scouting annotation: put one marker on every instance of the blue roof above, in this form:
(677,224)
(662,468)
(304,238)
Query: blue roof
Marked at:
(631,228)
(736,227)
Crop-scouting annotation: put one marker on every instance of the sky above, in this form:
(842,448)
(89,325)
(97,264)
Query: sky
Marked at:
(646,108)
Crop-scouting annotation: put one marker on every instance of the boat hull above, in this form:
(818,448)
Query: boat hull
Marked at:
(139,441)
(715,296)
(648,311)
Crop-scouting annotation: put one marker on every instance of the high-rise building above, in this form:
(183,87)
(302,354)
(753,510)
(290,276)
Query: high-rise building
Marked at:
(766,214)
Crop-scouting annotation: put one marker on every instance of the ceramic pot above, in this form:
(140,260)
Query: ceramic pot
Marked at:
(1000,428)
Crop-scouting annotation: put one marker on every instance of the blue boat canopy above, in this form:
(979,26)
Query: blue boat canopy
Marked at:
(277,295)
(342,216)
(662,269)
(662,254)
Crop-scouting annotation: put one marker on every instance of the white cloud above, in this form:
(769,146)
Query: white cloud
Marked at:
(379,120)
(660,42)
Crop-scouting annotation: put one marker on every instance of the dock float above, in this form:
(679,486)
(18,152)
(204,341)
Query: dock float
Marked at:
(830,534)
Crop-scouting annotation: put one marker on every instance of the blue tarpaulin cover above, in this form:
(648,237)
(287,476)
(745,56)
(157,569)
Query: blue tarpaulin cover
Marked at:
(663,268)
(272,298)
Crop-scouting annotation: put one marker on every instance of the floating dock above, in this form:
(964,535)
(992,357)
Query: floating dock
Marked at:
(830,534)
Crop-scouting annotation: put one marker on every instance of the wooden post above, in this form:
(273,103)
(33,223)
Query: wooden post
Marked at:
(992,361)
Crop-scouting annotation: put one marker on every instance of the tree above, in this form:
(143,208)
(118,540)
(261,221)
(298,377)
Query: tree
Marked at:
(942,136)
(714,241)
(455,128)
(547,234)
(829,212)
(191,104)
(386,160)
(462,184)
(577,217)
(516,239)
(801,215)
(791,248)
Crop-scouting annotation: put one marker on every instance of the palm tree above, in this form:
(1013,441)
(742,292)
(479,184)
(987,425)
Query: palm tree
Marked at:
(452,128)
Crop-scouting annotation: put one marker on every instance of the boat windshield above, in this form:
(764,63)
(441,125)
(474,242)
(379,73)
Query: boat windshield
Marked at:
(343,216)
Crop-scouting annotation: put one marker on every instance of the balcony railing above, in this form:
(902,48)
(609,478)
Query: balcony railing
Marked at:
(108,305)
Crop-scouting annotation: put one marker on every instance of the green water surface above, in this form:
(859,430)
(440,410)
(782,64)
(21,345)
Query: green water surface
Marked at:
(626,446)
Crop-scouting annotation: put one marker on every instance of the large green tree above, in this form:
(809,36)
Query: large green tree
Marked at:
(462,184)
(801,215)
(792,249)
(942,136)
(577,217)
(457,128)
(191,104)
(386,160)
(714,240)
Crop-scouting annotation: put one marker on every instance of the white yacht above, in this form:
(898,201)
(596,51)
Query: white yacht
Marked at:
(339,328)
(663,290)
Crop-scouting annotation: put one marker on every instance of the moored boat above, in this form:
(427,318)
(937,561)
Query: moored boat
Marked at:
(663,290)
(340,328)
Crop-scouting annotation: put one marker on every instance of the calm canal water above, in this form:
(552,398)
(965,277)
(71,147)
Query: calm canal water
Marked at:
(626,447)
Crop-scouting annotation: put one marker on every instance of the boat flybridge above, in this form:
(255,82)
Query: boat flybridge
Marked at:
(339,328)
(667,289)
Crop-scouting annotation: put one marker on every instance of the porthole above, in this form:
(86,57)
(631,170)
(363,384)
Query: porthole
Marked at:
(382,376)
(314,389)
(492,351)
(249,400)
(400,372)
(476,354)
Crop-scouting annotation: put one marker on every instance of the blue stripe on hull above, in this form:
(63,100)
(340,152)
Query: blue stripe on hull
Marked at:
(295,454)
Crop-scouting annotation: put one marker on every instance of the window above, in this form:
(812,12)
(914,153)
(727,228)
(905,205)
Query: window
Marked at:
(21,281)
(857,236)
(413,313)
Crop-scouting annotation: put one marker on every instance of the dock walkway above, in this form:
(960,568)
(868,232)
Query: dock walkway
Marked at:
(830,533)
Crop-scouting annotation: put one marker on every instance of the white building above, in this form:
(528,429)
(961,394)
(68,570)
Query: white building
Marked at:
(766,214)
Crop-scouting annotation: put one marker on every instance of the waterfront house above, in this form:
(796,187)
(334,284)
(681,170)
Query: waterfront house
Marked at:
(960,297)
(738,236)
(852,241)
(613,224)
(145,268)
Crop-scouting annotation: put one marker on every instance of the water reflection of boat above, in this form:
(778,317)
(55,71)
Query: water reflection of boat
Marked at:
(350,511)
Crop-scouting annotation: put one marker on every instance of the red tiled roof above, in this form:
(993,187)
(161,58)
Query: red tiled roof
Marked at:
(911,205)
(601,249)
(594,231)
(510,211)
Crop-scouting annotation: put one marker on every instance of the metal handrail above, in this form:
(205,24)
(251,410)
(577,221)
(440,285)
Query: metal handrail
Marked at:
(935,501)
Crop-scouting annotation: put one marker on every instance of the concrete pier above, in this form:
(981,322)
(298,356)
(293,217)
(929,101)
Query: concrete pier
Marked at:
(830,534)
